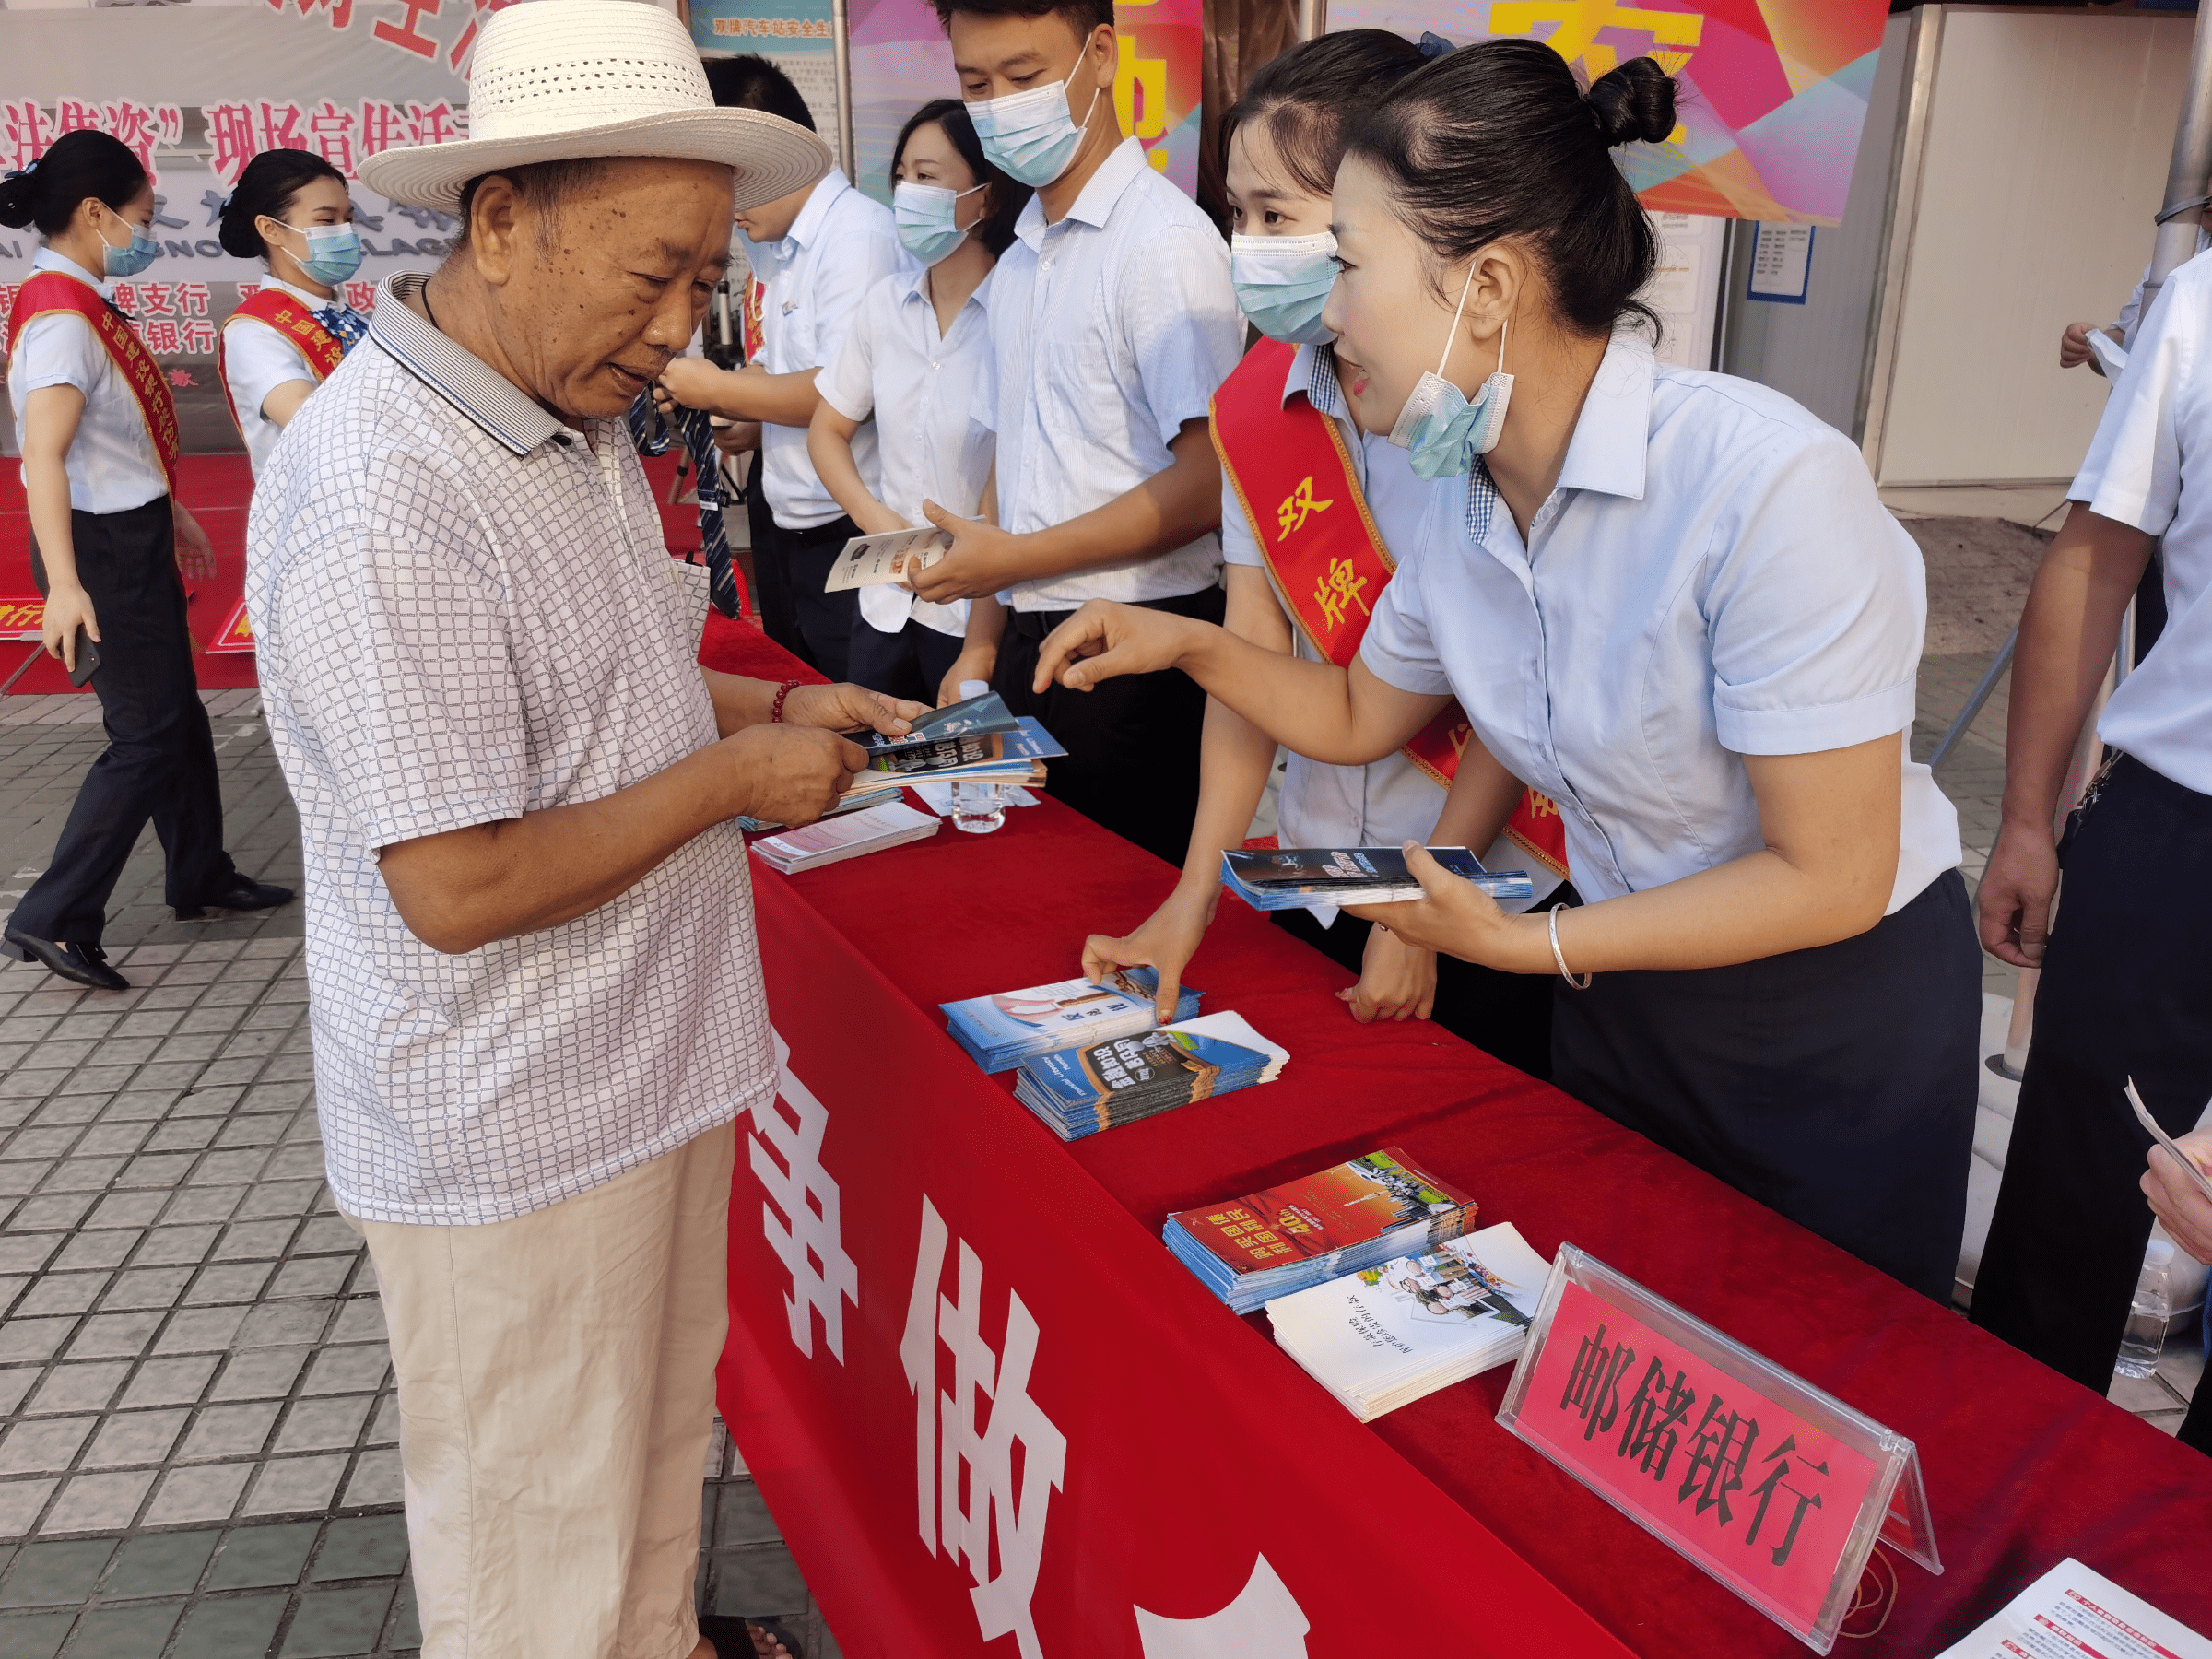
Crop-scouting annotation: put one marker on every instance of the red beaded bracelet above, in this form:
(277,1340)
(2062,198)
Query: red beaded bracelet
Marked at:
(775,709)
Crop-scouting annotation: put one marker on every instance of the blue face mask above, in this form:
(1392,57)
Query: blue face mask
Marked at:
(766,258)
(334,252)
(1441,430)
(1030,136)
(925,214)
(1283,282)
(134,257)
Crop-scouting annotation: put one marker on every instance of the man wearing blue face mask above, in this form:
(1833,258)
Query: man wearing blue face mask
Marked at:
(1112,321)
(814,254)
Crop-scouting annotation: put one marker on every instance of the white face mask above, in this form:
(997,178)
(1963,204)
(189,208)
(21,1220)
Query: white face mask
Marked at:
(1441,429)
(925,214)
(1030,136)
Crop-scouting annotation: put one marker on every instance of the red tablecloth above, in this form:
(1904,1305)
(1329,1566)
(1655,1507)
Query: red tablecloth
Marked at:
(2022,1467)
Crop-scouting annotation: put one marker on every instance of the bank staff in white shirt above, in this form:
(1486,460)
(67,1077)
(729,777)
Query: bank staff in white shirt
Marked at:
(97,434)
(2126,983)
(291,210)
(911,363)
(814,254)
(1112,321)
(1672,602)
(1279,146)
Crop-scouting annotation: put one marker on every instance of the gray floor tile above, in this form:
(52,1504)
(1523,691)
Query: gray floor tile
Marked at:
(50,1574)
(114,1334)
(176,1246)
(261,1374)
(235,1628)
(325,1424)
(232,1430)
(135,1436)
(172,1381)
(369,1546)
(376,1479)
(81,1387)
(201,1330)
(347,1369)
(147,1288)
(65,1293)
(159,1564)
(332,1623)
(124,1632)
(228,1282)
(20,1502)
(278,1325)
(361,1319)
(34,1635)
(287,1486)
(105,1503)
(43,1446)
(198,1492)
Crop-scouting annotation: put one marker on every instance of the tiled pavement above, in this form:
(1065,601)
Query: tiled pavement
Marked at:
(196,1457)
(197,1427)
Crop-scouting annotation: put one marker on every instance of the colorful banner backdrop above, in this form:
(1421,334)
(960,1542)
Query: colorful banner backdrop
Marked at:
(798,36)
(902,60)
(1773,91)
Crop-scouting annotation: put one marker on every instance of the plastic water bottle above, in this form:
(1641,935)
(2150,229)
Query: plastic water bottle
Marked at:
(2150,1313)
(978,808)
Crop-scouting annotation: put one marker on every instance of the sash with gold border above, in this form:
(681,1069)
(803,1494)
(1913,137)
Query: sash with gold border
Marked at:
(1328,564)
(49,291)
(298,325)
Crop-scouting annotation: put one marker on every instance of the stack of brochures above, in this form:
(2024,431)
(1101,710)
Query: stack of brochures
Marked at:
(1385,1337)
(1316,877)
(973,742)
(1355,1215)
(999,1032)
(1082,1090)
(837,838)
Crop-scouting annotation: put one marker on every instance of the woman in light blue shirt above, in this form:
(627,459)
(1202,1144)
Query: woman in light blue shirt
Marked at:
(1672,602)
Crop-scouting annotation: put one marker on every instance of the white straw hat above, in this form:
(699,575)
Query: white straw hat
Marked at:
(571,81)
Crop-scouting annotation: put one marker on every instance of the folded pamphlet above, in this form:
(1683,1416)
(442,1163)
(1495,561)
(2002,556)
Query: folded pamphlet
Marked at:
(1283,1239)
(1385,1337)
(2073,1612)
(835,839)
(892,556)
(970,718)
(999,1032)
(1317,878)
(1081,1090)
(1014,756)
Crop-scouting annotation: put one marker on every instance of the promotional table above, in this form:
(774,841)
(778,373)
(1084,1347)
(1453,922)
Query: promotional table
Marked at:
(959,1355)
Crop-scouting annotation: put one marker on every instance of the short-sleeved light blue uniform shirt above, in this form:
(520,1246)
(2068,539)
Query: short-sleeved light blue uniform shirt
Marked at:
(1713,577)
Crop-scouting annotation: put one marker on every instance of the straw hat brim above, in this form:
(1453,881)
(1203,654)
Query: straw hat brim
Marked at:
(771,157)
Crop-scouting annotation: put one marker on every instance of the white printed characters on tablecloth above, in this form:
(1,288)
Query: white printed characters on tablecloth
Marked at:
(1263,1622)
(805,1237)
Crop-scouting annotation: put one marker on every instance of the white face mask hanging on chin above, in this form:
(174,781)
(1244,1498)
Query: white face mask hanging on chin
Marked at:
(1439,429)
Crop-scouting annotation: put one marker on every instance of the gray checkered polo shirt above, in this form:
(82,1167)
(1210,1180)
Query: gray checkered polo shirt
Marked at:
(465,612)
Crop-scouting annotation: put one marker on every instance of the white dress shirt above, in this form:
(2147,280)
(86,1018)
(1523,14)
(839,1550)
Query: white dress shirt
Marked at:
(1713,577)
(2150,465)
(842,245)
(1109,330)
(463,612)
(1391,800)
(257,360)
(919,385)
(113,464)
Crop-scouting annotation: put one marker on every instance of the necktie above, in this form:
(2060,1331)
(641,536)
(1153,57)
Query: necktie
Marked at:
(347,325)
(697,433)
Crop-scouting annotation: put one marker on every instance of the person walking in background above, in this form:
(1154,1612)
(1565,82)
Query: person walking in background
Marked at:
(1272,422)
(2126,983)
(289,210)
(97,434)
(2074,342)
(1673,602)
(814,252)
(1112,322)
(911,360)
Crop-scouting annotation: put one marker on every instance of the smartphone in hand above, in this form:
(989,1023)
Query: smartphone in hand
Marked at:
(87,657)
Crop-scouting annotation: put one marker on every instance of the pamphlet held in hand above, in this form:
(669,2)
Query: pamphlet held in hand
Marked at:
(1315,877)
(896,555)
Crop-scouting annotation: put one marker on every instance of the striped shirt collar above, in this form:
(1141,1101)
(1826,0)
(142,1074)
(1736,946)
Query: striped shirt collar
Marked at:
(1314,372)
(455,373)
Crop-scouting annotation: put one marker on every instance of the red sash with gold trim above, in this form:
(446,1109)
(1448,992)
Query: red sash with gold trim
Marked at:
(752,319)
(1326,556)
(49,291)
(299,327)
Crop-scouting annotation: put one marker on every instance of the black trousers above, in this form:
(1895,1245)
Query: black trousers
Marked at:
(2126,991)
(1835,1085)
(912,662)
(790,567)
(1132,744)
(1507,1016)
(159,763)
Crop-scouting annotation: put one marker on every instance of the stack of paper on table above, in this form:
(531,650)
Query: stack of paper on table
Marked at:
(999,1032)
(2071,1613)
(835,839)
(1358,1214)
(1009,753)
(1082,1090)
(1318,877)
(1383,1337)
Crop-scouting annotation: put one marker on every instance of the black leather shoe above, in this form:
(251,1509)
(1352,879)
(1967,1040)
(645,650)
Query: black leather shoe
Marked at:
(243,894)
(83,964)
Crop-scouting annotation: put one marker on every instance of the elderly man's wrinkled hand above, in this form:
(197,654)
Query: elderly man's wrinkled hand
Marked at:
(847,707)
(789,774)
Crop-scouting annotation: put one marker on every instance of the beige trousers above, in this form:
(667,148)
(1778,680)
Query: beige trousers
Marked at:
(555,1400)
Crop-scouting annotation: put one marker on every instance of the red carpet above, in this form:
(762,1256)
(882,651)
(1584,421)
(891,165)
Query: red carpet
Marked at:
(218,490)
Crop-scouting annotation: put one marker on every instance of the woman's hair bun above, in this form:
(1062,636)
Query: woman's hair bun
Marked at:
(1634,101)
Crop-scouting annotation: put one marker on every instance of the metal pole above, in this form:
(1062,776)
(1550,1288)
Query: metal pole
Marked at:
(1990,676)
(1313,18)
(2184,204)
(842,43)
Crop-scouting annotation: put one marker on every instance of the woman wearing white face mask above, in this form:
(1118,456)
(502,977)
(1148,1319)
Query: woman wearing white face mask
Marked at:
(1673,602)
(290,209)
(1285,431)
(916,346)
(99,438)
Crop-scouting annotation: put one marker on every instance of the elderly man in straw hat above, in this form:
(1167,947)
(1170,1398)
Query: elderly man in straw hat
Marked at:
(536,998)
